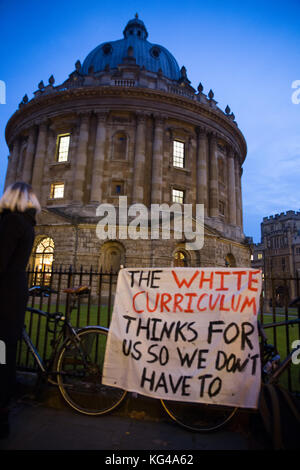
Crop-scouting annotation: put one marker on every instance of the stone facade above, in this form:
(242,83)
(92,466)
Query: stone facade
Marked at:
(278,255)
(122,123)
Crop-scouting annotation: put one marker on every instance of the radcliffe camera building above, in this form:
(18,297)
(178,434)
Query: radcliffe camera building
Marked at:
(128,122)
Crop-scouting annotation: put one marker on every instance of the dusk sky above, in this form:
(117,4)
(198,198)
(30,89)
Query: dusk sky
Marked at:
(247,52)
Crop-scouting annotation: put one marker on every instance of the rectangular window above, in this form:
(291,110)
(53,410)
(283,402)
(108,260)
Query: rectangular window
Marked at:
(221,207)
(178,154)
(57,190)
(63,143)
(259,256)
(177,196)
(117,188)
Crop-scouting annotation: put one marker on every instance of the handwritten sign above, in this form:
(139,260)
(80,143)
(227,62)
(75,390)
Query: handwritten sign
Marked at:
(186,334)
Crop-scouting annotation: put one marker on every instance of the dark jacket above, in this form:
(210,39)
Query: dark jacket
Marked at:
(16,241)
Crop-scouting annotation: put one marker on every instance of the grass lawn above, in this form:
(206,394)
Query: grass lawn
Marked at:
(282,338)
(36,326)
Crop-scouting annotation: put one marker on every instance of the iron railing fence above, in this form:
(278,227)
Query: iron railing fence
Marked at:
(96,309)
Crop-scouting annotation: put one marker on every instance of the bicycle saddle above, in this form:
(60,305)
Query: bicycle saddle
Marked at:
(77,290)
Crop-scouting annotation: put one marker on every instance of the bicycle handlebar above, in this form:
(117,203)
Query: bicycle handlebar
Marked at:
(41,291)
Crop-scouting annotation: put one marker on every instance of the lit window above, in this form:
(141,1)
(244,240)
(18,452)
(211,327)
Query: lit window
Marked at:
(57,190)
(177,196)
(44,257)
(259,256)
(63,144)
(180,259)
(251,257)
(178,154)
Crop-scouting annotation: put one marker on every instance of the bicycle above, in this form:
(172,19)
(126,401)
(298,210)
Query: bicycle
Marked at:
(77,364)
(76,361)
(204,418)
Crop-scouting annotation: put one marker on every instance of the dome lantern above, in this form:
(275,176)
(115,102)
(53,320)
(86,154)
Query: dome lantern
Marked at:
(135,27)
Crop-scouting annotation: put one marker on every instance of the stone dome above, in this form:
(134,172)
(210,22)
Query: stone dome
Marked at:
(151,56)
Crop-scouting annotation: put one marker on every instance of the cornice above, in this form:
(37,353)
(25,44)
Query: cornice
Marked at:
(32,109)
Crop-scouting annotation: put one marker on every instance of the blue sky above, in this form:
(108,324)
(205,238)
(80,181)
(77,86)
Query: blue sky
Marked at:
(247,52)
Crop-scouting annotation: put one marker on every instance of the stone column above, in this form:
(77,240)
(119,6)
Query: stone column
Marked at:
(81,159)
(139,160)
(238,189)
(99,158)
(12,166)
(213,178)
(157,161)
(231,188)
(39,160)
(202,154)
(28,163)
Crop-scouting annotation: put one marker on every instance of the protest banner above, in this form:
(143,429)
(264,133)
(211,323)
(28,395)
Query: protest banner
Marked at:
(186,334)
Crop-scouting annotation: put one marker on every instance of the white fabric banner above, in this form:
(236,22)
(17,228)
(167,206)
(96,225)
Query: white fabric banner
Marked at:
(186,334)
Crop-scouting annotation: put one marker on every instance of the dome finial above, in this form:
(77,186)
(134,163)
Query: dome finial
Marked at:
(136,16)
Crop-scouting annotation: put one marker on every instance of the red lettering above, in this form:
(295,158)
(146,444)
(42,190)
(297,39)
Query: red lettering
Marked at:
(222,274)
(133,301)
(248,303)
(251,280)
(239,275)
(235,308)
(211,305)
(148,303)
(184,282)
(209,279)
(222,308)
(163,302)
(198,303)
(188,309)
(177,302)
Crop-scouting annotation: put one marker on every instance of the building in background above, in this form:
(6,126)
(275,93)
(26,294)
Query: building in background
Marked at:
(278,255)
(128,122)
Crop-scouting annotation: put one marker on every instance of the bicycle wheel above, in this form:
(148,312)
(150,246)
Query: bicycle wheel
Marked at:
(198,417)
(79,373)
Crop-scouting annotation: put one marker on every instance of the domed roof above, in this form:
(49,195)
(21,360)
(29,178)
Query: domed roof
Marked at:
(152,56)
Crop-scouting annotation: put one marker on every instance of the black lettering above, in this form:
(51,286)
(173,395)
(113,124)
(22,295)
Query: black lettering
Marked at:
(153,278)
(127,317)
(190,328)
(221,356)
(186,358)
(227,339)
(178,331)
(254,363)
(185,386)
(154,323)
(202,359)
(175,386)
(166,330)
(132,273)
(202,379)
(143,327)
(147,379)
(245,335)
(162,383)
(146,278)
(211,392)
(211,329)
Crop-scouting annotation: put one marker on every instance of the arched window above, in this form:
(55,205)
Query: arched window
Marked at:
(44,256)
(112,257)
(119,146)
(180,259)
(230,261)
